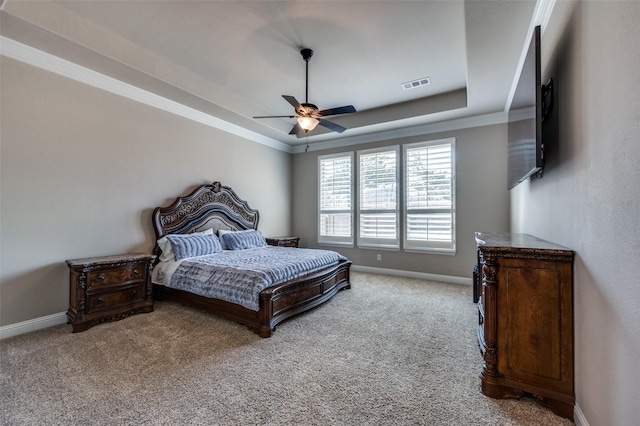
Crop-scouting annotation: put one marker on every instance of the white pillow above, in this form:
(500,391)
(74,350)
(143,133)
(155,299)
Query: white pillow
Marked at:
(167,250)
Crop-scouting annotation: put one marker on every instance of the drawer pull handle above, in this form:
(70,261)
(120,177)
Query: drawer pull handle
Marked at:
(135,273)
(134,292)
(99,301)
(100,278)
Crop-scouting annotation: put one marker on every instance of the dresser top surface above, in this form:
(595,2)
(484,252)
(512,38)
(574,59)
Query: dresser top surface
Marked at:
(505,240)
(105,260)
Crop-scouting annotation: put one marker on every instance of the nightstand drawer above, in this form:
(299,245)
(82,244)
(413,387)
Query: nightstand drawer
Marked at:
(113,299)
(126,275)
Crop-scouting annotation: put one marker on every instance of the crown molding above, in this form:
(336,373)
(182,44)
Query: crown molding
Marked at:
(48,62)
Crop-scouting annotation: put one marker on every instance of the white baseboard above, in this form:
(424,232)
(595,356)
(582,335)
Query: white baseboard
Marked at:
(410,274)
(578,416)
(32,325)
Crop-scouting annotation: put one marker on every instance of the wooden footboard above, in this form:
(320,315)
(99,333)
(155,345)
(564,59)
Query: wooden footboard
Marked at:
(277,303)
(282,301)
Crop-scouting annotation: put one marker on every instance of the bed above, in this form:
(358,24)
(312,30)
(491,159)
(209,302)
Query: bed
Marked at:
(193,275)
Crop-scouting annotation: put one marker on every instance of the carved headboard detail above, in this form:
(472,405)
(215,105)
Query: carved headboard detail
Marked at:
(208,206)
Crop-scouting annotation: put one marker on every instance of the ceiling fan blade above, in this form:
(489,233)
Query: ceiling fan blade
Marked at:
(332,126)
(296,130)
(275,116)
(294,102)
(348,109)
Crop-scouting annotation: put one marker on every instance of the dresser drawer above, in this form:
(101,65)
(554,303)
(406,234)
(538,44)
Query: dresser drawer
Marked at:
(124,275)
(113,299)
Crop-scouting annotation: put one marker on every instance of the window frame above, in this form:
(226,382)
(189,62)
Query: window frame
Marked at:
(378,243)
(332,239)
(412,245)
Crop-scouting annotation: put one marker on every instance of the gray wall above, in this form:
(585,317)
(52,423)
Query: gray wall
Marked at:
(481,196)
(82,169)
(589,197)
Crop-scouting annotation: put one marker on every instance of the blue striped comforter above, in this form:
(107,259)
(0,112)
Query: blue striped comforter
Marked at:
(239,276)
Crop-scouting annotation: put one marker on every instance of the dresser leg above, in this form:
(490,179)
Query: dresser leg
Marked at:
(493,388)
(561,408)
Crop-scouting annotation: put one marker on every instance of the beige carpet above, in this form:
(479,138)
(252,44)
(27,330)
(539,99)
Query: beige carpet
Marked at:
(390,351)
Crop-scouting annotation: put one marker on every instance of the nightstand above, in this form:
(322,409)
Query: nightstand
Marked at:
(108,288)
(283,241)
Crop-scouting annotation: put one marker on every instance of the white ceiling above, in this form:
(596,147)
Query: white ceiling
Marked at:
(245,55)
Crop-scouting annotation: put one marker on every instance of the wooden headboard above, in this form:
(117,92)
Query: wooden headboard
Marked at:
(208,206)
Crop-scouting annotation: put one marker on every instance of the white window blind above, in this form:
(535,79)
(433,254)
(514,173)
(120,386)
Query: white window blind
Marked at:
(335,181)
(378,198)
(429,196)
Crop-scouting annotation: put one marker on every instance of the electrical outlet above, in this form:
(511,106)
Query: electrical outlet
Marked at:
(379,257)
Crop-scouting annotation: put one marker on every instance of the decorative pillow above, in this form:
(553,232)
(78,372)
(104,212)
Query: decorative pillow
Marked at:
(221,232)
(244,239)
(192,245)
(167,250)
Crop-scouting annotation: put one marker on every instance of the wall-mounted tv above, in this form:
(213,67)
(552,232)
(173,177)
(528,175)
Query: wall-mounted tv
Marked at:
(531,102)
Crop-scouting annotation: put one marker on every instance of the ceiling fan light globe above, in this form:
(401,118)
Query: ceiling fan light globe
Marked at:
(307,123)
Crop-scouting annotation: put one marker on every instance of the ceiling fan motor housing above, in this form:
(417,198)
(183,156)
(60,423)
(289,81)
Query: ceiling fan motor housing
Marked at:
(306,54)
(308,109)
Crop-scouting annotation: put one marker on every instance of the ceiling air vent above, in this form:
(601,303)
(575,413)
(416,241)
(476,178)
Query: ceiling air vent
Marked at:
(416,83)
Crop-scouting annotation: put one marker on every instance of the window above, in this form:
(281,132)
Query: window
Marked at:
(378,198)
(429,196)
(421,217)
(335,221)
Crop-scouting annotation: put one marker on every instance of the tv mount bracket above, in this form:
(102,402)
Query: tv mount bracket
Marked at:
(547,98)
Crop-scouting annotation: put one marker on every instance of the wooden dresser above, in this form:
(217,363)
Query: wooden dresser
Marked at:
(525,329)
(108,288)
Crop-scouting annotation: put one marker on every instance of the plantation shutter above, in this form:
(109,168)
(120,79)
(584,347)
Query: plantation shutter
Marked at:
(378,207)
(429,196)
(335,224)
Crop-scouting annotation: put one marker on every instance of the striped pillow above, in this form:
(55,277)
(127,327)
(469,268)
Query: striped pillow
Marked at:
(167,251)
(192,245)
(244,240)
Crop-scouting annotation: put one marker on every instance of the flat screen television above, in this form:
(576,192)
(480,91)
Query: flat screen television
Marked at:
(531,102)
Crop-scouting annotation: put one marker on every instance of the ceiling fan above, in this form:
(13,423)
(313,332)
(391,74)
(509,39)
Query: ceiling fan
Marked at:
(308,115)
